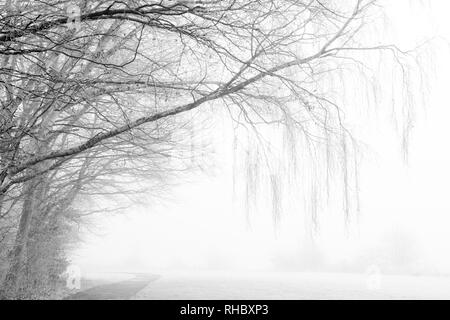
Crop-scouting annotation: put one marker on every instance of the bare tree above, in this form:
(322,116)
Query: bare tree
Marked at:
(90,87)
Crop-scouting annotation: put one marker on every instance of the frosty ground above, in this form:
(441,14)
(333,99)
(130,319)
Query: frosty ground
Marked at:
(261,285)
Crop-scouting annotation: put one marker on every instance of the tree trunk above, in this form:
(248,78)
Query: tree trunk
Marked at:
(18,254)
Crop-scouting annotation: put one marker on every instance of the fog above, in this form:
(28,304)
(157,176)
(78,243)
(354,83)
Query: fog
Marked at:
(404,215)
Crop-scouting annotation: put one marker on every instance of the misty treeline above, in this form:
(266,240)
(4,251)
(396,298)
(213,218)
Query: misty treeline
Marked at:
(103,98)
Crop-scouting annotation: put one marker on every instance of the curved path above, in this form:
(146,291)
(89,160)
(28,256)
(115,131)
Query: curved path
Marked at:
(122,290)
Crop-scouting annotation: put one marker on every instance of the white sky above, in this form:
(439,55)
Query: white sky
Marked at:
(405,208)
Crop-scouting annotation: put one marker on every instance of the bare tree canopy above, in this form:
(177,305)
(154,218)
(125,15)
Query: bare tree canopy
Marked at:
(160,60)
